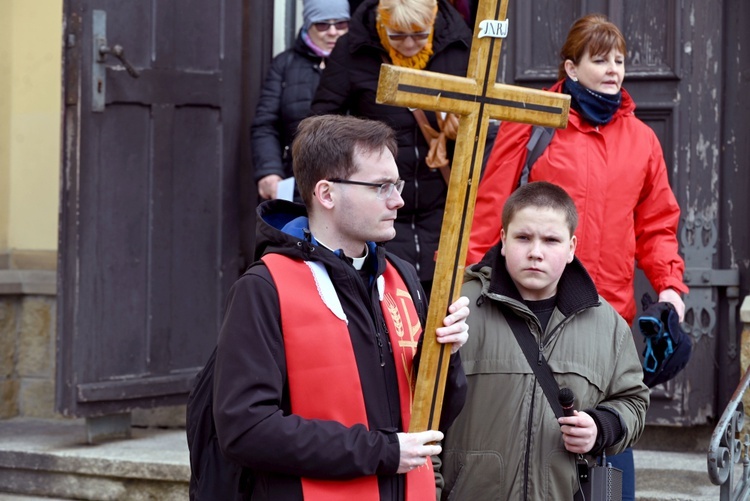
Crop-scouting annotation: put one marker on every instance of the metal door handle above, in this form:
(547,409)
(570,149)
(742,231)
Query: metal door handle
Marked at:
(99,49)
(119,53)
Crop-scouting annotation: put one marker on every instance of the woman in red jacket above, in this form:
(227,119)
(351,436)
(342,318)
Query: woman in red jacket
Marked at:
(612,166)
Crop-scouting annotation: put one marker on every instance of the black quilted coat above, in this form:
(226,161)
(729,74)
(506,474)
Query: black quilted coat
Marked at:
(349,85)
(284,101)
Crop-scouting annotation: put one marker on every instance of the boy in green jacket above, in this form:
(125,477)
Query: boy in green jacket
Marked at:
(507,442)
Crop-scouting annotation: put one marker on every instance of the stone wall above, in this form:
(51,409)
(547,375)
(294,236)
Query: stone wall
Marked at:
(28,347)
(8,377)
(28,291)
(27,356)
(27,364)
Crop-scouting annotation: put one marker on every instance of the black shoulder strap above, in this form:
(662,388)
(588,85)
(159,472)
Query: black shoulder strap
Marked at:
(539,140)
(536,359)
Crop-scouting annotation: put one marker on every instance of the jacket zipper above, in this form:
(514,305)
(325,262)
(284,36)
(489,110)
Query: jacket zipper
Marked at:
(379,324)
(543,339)
(528,446)
(379,336)
(413,224)
(379,339)
(533,393)
(539,357)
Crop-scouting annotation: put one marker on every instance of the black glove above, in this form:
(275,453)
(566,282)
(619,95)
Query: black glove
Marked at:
(668,347)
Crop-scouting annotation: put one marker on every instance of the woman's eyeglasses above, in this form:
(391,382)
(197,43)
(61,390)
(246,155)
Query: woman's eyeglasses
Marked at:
(398,37)
(326,25)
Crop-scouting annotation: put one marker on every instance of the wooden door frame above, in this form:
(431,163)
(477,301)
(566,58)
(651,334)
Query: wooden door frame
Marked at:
(257,52)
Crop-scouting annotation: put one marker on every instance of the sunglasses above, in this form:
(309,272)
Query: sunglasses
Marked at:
(326,25)
(414,36)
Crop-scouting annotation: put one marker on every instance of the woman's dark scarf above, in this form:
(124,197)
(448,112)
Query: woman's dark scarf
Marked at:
(596,108)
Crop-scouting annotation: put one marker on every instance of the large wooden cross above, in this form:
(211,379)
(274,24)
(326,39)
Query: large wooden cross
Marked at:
(477,98)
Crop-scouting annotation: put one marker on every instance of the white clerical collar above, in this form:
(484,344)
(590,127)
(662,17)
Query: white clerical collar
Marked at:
(357,262)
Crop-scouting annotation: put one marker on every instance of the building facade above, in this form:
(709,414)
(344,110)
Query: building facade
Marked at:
(126,203)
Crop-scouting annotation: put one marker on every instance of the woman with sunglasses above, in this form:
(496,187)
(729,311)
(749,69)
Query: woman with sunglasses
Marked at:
(422,34)
(289,89)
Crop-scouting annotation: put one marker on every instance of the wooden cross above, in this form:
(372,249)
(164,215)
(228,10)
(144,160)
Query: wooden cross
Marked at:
(477,98)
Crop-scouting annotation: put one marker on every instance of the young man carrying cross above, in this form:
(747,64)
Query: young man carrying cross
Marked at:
(314,360)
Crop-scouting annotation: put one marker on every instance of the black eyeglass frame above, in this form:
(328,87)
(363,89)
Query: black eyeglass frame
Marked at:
(323,26)
(389,186)
(403,36)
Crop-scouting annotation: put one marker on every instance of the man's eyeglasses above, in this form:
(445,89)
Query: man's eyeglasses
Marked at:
(326,25)
(403,36)
(385,190)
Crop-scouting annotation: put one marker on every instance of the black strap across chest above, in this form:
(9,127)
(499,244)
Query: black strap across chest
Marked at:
(535,358)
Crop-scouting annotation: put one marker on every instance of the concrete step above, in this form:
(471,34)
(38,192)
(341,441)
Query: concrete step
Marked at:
(51,458)
(673,476)
(21,497)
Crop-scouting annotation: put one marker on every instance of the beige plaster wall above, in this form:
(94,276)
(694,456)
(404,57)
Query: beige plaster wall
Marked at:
(6,12)
(30,93)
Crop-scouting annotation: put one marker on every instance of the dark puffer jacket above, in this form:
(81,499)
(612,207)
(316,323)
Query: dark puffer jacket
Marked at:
(349,85)
(284,101)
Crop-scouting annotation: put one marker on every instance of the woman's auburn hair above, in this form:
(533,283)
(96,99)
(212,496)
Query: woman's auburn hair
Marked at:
(407,15)
(593,34)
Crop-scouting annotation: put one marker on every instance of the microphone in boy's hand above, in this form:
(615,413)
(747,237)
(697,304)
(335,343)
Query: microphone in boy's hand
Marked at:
(566,399)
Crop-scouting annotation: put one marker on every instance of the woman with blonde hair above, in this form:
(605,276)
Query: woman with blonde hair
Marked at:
(422,34)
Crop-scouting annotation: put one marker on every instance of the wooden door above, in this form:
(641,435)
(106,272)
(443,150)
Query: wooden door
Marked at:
(149,222)
(675,71)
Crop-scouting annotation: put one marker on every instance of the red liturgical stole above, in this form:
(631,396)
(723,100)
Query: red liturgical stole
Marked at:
(322,371)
